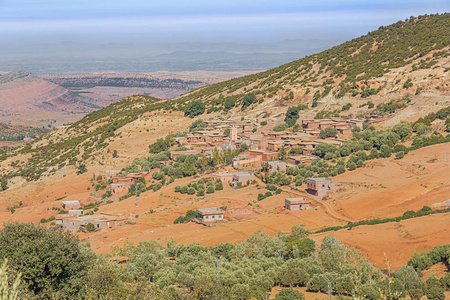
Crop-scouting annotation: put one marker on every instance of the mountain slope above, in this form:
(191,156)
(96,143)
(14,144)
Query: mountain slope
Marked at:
(350,69)
(21,92)
(407,59)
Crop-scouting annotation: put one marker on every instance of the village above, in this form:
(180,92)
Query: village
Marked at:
(259,148)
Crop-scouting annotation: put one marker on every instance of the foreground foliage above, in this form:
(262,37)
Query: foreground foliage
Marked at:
(56,265)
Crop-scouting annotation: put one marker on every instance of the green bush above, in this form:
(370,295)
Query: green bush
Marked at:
(90,227)
(328,132)
(279,127)
(435,293)
(289,294)
(219,185)
(194,108)
(49,260)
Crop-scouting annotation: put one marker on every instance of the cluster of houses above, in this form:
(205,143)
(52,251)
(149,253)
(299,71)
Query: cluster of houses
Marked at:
(264,147)
(261,148)
(75,220)
(120,185)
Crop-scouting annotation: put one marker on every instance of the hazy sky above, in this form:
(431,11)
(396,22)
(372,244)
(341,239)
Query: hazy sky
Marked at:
(201,19)
(38,27)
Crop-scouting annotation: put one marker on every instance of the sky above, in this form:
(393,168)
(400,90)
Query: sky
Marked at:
(29,26)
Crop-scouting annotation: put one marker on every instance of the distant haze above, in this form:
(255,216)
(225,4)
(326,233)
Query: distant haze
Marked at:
(61,36)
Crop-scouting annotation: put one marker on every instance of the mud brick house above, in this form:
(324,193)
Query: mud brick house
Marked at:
(60,218)
(179,140)
(243,177)
(319,186)
(296,203)
(233,134)
(120,185)
(326,124)
(313,132)
(99,221)
(105,175)
(310,124)
(275,135)
(224,177)
(268,156)
(210,214)
(191,138)
(214,137)
(229,147)
(69,205)
(247,160)
(279,166)
(299,159)
(275,146)
(136,176)
(356,122)
(307,147)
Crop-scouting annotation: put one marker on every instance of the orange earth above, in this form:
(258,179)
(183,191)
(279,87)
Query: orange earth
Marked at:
(383,188)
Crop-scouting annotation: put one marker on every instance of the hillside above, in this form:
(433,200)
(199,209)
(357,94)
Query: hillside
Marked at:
(393,62)
(18,133)
(21,92)
(383,171)
(406,58)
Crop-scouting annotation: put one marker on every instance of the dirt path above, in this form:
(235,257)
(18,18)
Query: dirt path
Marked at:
(329,209)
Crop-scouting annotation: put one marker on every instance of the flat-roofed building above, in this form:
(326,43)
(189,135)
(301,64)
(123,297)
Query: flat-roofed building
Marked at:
(243,177)
(297,203)
(319,186)
(299,159)
(224,177)
(68,205)
(277,165)
(210,214)
(99,221)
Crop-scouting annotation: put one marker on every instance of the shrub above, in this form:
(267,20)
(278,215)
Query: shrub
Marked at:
(435,293)
(289,294)
(317,284)
(194,108)
(296,150)
(90,227)
(81,169)
(346,106)
(210,189)
(328,132)
(219,185)
(351,166)
(197,125)
(400,154)
(271,187)
(229,103)
(279,127)
(248,100)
